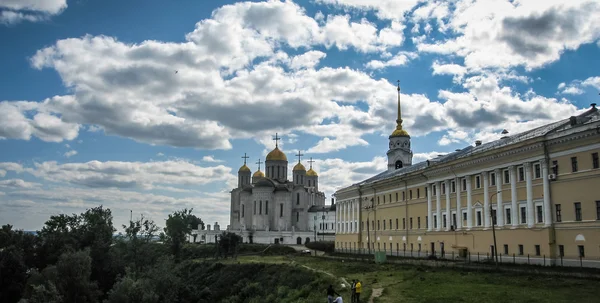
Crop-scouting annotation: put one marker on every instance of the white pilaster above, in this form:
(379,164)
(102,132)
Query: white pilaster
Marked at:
(486,199)
(529,185)
(458,206)
(438,205)
(547,204)
(499,210)
(429,213)
(448,206)
(469,204)
(514,212)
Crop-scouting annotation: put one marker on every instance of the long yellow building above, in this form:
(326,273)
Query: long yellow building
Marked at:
(539,190)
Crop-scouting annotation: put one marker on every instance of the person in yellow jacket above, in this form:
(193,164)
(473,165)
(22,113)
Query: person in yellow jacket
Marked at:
(358,289)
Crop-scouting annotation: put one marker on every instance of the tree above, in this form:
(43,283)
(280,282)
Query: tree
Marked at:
(138,234)
(228,243)
(179,226)
(96,232)
(13,274)
(73,272)
(58,235)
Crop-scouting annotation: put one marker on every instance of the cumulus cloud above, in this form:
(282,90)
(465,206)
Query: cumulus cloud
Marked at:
(70,153)
(504,34)
(15,11)
(578,87)
(211,159)
(17,183)
(384,9)
(402,58)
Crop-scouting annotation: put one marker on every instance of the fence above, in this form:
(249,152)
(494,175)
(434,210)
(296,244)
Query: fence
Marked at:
(504,259)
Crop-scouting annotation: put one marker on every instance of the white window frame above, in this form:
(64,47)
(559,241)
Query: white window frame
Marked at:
(492,179)
(504,174)
(478,184)
(519,168)
(535,168)
(535,216)
(521,206)
(479,211)
(508,207)
(452,186)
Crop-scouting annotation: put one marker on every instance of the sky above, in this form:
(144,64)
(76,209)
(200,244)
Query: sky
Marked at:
(147,107)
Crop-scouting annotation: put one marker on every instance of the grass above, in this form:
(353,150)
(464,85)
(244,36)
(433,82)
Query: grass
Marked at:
(403,283)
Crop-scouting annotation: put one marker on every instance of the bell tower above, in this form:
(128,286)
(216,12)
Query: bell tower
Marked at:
(399,155)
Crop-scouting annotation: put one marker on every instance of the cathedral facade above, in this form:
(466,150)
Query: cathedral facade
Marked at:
(530,197)
(266,207)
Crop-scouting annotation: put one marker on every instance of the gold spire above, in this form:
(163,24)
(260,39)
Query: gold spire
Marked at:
(399,132)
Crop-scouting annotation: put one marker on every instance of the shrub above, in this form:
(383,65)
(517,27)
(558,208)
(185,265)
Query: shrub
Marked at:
(326,246)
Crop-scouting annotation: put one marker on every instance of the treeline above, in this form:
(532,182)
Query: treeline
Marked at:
(76,258)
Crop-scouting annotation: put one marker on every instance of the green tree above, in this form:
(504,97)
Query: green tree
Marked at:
(96,233)
(228,244)
(13,274)
(138,235)
(58,235)
(73,272)
(179,226)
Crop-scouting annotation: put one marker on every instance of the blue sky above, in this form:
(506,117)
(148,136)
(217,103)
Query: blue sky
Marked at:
(92,110)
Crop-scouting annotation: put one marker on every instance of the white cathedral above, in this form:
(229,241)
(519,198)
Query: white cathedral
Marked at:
(272,209)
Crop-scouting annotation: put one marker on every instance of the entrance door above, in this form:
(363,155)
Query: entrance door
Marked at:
(433,248)
(276,240)
(299,241)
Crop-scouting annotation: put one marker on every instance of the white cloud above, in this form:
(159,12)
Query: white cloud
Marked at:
(384,9)
(592,81)
(17,183)
(70,153)
(448,69)
(420,157)
(337,173)
(15,11)
(503,34)
(307,60)
(160,155)
(211,159)
(402,58)
(577,87)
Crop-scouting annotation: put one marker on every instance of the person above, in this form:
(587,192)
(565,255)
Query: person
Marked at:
(353,288)
(338,300)
(358,288)
(331,293)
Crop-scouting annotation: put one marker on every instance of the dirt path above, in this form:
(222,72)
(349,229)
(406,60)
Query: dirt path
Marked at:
(346,284)
(375,294)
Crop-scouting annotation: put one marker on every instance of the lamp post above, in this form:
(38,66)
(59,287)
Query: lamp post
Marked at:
(494,228)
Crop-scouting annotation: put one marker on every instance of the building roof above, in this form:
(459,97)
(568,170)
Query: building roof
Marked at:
(276,155)
(315,208)
(589,116)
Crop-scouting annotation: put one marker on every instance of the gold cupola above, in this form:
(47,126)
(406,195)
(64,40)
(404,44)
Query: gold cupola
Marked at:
(244,168)
(399,132)
(311,172)
(276,154)
(299,166)
(258,174)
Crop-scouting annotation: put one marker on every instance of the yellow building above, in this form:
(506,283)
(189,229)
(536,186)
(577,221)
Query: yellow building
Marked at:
(542,187)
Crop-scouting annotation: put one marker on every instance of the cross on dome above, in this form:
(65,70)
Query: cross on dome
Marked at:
(276,139)
(259,163)
(311,162)
(299,154)
(245,157)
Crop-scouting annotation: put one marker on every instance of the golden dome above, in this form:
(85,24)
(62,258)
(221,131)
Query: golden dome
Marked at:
(399,133)
(299,166)
(276,155)
(311,173)
(258,174)
(244,168)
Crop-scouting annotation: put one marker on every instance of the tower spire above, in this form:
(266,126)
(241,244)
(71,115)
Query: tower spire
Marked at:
(276,139)
(399,131)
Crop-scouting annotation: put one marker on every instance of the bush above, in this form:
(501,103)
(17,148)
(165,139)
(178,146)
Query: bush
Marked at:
(326,246)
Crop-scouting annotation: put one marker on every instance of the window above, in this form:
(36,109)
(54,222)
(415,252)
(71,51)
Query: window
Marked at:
(506,249)
(444,188)
(383,199)
(454,220)
(444,221)
(243,210)
(464,184)
(595,163)
(410,222)
(537,250)
(396,197)
(419,246)
(492,178)
(426,192)
(520,249)
(540,214)
(267,207)
(280,209)
(434,190)
(453,186)
(521,174)
(494,217)
(537,169)
(410,194)
(377,200)
(383,224)
(574,164)
(255,207)
(581,251)
(396,223)
(554,167)
(260,207)
(478,218)
(418,193)
(558,214)
(597,210)
(403,196)
(523,214)
(507,217)
(561,250)
(426,221)
(403,223)
(419,222)
(577,211)
(434,221)
(298,217)
(390,223)
(390,198)
(477,181)
(297,198)
(378,226)
(506,176)
(464,216)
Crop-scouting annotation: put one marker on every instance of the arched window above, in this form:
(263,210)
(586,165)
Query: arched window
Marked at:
(398,164)
(297,198)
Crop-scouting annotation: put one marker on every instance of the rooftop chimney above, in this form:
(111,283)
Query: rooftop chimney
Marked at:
(478,142)
(593,105)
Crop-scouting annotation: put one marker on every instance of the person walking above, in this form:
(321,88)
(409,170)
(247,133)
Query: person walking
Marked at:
(331,293)
(353,289)
(358,289)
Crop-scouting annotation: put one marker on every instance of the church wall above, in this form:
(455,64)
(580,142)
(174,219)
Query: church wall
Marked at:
(262,197)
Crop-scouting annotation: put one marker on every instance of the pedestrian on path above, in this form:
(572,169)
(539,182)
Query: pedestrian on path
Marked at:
(358,289)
